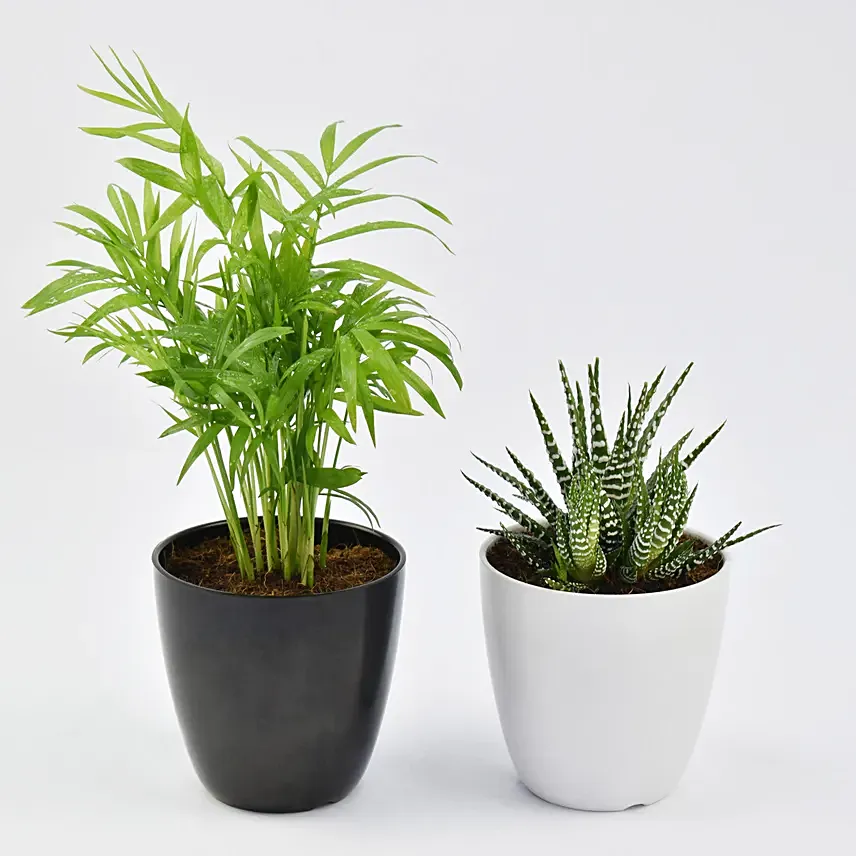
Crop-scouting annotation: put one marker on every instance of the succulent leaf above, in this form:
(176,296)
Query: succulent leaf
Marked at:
(643,405)
(576,419)
(673,567)
(560,468)
(641,493)
(518,516)
(690,459)
(610,524)
(562,547)
(669,527)
(749,535)
(699,557)
(543,501)
(581,419)
(680,525)
(618,476)
(653,425)
(599,444)
(512,480)
(584,522)
(628,415)
(600,565)
(535,551)
(537,498)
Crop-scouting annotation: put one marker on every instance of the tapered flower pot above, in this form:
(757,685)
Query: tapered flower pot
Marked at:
(601,697)
(280,699)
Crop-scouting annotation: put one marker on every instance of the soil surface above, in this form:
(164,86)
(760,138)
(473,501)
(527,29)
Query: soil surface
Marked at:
(213,564)
(505,558)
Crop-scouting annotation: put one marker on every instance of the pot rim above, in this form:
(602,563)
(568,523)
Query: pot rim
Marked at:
(490,541)
(162,545)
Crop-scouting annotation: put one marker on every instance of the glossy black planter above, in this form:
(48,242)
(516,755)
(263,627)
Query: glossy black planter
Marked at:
(280,698)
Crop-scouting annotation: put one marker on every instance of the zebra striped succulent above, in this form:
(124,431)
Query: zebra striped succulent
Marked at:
(615,527)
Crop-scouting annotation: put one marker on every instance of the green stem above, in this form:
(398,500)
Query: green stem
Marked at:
(249,491)
(268,500)
(325,526)
(227,501)
(238,539)
(308,551)
(282,523)
(293,530)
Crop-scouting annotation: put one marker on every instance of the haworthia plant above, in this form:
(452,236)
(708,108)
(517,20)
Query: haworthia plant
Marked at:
(614,527)
(271,352)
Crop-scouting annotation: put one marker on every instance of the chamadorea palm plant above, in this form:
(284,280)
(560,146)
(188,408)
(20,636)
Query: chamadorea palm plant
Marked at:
(615,526)
(271,354)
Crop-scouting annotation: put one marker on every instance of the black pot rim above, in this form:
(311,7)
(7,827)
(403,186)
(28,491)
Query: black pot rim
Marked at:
(162,545)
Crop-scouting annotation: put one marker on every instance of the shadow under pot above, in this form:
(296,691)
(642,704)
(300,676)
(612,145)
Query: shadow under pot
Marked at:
(280,699)
(601,697)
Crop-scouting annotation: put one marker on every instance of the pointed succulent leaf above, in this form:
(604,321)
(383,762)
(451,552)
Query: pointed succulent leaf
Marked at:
(542,500)
(641,494)
(535,542)
(508,508)
(699,557)
(675,452)
(692,456)
(560,468)
(512,480)
(488,531)
(680,526)
(576,419)
(581,418)
(653,425)
(668,525)
(643,405)
(618,477)
(534,551)
(641,550)
(748,535)
(669,460)
(629,410)
(673,567)
(637,414)
(599,445)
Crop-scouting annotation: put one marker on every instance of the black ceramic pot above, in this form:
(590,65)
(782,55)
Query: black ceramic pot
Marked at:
(280,698)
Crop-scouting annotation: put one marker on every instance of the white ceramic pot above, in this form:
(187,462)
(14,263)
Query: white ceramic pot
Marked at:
(601,697)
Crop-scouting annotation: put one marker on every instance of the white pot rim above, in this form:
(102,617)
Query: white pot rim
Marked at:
(605,596)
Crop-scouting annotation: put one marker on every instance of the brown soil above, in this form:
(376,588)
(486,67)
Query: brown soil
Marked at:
(508,561)
(213,564)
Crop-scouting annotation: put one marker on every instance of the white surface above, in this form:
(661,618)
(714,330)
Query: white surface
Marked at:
(601,698)
(651,183)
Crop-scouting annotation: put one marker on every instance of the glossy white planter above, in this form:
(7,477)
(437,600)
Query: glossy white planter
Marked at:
(601,697)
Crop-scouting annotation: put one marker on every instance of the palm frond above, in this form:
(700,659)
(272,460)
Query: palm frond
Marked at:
(273,355)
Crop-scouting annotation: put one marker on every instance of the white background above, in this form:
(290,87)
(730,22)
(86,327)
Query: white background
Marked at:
(651,183)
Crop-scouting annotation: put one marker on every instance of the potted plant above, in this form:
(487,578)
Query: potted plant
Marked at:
(279,625)
(603,614)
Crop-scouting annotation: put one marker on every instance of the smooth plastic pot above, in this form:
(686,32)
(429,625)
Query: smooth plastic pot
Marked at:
(280,699)
(601,697)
